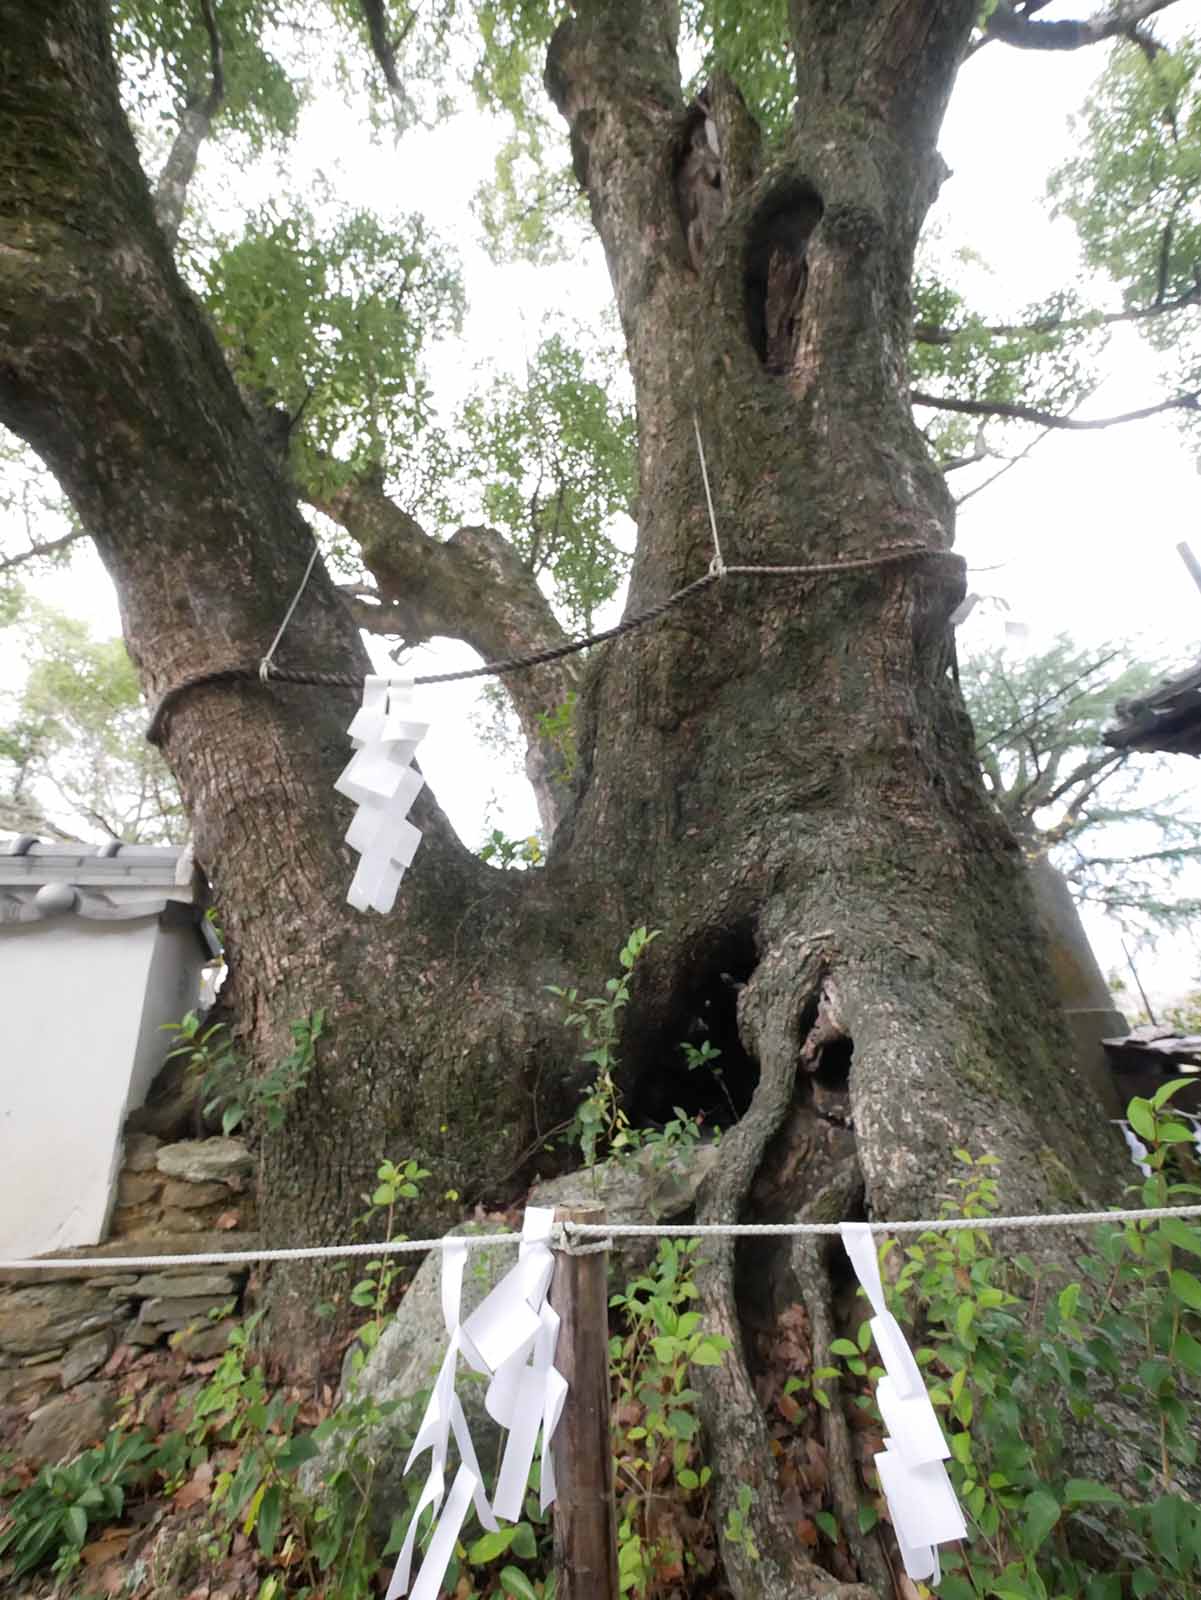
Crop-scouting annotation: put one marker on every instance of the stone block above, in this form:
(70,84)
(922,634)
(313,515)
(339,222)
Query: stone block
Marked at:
(205,1160)
(176,1313)
(187,1196)
(86,1357)
(185,1221)
(140,1151)
(168,1285)
(49,1315)
(68,1424)
(202,1344)
(136,1188)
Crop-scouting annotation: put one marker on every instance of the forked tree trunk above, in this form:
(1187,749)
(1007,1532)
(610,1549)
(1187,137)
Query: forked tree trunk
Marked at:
(779,776)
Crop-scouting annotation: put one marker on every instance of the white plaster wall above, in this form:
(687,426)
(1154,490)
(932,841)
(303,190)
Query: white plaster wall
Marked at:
(80,1004)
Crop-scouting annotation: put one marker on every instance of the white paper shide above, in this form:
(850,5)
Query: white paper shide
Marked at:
(921,1502)
(510,1337)
(381,779)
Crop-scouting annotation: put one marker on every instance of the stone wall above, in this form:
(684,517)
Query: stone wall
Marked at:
(59,1328)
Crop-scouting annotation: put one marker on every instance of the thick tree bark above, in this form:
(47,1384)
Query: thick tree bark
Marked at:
(108,370)
(780,776)
(807,804)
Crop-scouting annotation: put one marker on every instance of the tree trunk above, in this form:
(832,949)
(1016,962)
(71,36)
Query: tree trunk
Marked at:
(779,775)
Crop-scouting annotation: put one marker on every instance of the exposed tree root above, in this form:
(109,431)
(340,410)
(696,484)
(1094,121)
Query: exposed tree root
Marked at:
(759,1546)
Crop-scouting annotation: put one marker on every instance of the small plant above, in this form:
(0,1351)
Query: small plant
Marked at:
(557,727)
(600,1120)
(656,1427)
(705,1056)
(676,1139)
(1020,1361)
(738,1522)
(51,1517)
(373,1292)
(502,851)
(227,1082)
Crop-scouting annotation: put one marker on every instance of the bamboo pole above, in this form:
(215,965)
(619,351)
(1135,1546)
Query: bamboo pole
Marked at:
(585,1521)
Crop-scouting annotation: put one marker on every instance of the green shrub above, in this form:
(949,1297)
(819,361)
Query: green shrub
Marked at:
(1023,1363)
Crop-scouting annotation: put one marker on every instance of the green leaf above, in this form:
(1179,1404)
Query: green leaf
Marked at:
(1187,1351)
(1165,1526)
(515,1583)
(1141,1117)
(964,1315)
(709,1352)
(956,1588)
(1163,1094)
(296,1452)
(524,1543)
(1187,1289)
(270,1513)
(1069,1299)
(1084,1491)
(1041,1514)
(868,1518)
(490,1546)
(76,1521)
(828,1525)
(1183,1235)
(844,1347)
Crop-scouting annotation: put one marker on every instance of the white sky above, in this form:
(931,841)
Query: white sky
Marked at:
(1081,536)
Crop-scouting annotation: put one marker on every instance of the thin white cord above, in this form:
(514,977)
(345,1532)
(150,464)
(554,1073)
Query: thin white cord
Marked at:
(604,1231)
(690,1230)
(718,564)
(311,1252)
(265,663)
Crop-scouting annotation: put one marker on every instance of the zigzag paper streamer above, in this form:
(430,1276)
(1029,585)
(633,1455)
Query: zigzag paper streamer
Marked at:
(1136,1147)
(384,784)
(921,1502)
(511,1337)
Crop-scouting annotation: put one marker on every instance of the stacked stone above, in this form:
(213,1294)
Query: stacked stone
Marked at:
(166,1190)
(58,1328)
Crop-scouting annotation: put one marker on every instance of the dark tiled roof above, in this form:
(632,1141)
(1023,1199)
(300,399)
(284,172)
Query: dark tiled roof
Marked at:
(1169,718)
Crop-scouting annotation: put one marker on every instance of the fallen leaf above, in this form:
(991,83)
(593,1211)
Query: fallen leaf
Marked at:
(120,1358)
(110,1545)
(806,1532)
(227,1220)
(788,1407)
(197,1489)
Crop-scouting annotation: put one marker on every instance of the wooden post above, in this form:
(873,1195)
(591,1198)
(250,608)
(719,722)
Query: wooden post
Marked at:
(585,1511)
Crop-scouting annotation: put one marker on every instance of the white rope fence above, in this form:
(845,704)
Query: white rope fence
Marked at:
(564,1233)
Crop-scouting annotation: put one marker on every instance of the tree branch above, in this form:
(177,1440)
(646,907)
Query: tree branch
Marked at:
(1190,401)
(932,333)
(1012,28)
(51,546)
(472,587)
(1009,465)
(375,15)
(194,125)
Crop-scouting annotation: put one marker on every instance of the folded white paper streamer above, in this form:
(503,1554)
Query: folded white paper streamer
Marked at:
(384,784)
(921,1502)
(1136,1147)
(511,1337)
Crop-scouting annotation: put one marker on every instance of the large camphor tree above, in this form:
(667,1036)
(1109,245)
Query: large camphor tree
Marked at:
(779,775)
